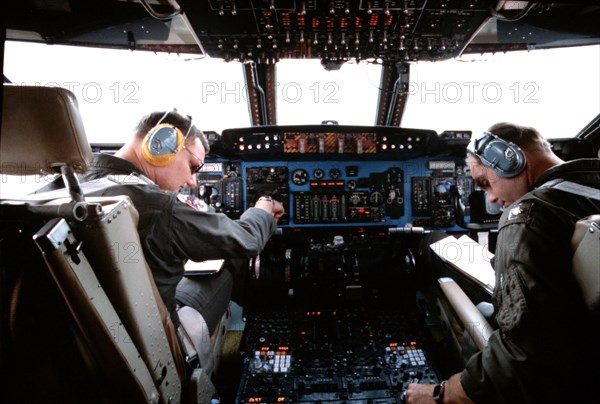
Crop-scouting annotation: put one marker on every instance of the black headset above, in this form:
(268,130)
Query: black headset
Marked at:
(504,157)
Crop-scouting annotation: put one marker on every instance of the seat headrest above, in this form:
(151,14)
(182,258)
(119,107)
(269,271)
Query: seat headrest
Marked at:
(42,130)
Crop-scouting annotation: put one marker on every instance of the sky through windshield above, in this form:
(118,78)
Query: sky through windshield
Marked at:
(556,91)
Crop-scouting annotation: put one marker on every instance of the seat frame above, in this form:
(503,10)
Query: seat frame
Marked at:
(91,248)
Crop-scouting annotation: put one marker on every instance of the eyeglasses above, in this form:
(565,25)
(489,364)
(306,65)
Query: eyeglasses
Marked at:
(194,170)
(197,168)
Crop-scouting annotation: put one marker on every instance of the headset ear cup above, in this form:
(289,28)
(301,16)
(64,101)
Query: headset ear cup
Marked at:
(161,145)
(505,158)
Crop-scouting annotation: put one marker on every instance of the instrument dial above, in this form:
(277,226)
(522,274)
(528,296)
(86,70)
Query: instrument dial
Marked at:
(299,176)
(319,173)
(335,173)
(376,198)
(354,199)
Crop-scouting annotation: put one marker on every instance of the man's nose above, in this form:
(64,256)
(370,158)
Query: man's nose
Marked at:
(191,182)
(493,198)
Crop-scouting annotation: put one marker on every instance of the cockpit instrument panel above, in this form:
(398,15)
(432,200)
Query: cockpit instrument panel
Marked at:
(325,140)
(332,175)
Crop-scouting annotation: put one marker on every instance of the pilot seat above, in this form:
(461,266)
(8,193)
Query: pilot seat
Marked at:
(82,320)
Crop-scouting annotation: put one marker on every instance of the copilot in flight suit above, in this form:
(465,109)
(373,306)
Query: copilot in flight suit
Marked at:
(545,332)
(174,228)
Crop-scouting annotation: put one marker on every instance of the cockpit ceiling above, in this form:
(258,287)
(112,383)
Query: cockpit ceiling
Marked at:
(389,31)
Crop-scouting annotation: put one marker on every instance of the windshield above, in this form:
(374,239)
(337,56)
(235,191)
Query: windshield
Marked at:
(116,87)
(556,91)
(309,94)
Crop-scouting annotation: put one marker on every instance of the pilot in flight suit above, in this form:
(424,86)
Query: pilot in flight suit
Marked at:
(545,329)
(174,227)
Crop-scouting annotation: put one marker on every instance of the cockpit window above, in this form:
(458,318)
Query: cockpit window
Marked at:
(116,87)
(536,88)
(555,91)
(307,93)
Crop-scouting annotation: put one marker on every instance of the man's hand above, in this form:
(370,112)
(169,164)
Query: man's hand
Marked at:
(271,206)
(419,394)
(423,393)
(278,209)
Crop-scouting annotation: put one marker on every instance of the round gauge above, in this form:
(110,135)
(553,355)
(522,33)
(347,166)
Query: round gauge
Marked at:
(318,173)
(376,198)
(352,184)
(299,176)
(335,173)
(354,199)
(442,188)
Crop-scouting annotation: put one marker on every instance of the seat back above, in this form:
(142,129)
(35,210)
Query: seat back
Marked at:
(585,243)
(97,287)
(42,131)
(586,259)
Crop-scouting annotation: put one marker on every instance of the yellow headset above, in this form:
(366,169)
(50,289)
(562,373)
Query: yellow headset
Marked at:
(162,143)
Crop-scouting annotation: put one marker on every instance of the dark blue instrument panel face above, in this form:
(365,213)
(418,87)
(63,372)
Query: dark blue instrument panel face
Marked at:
(413,192)
(340,176)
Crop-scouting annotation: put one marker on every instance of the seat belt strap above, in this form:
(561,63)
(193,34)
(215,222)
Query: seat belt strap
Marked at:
(573,188)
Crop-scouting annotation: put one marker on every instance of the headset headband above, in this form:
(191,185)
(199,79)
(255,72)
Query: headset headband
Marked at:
(504,157)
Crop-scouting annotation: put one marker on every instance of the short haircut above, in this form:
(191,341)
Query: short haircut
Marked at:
(180,121)
(525,137)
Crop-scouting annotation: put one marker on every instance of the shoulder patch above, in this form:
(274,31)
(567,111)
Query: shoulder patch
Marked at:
(193,202)
(518,213)
(513,308)
(515,212)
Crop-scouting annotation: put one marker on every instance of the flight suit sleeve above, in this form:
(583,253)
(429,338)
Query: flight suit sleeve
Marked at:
(533,289)
(199,234)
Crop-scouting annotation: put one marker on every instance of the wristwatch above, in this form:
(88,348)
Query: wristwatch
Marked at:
(438,392)
(266,198)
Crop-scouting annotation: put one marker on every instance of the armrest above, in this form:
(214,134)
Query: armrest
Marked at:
(473,321)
